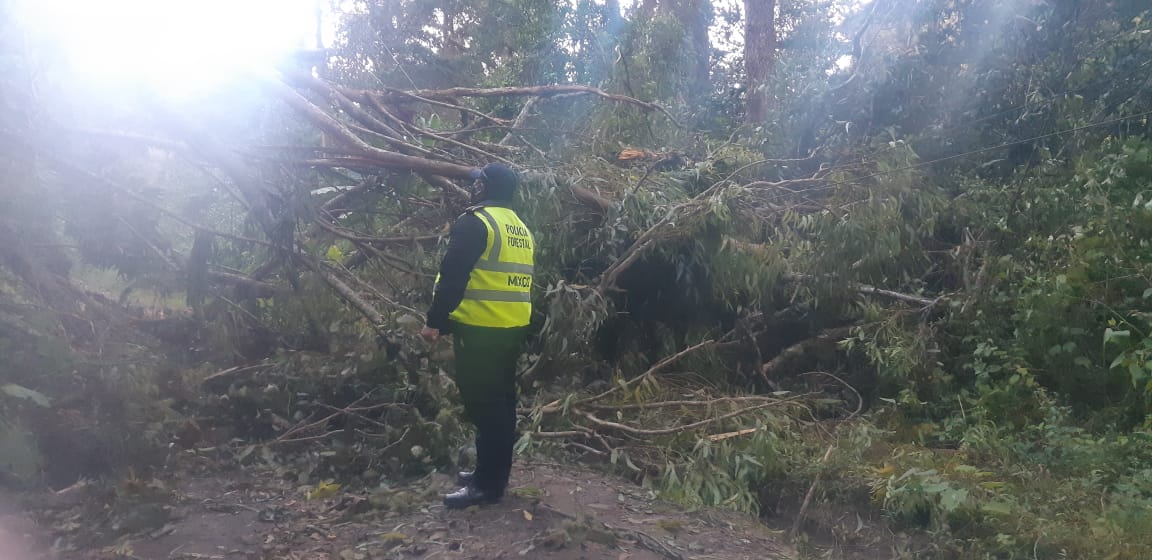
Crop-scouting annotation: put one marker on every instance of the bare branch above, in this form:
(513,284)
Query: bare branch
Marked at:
(520,118)
(383,158)
(556,406)
(668,404)
(678,429)
(796,350)
(872,290)
(534,91)
(345,292)
(260,289)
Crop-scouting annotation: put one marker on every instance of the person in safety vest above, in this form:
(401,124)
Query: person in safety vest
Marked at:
(483,298)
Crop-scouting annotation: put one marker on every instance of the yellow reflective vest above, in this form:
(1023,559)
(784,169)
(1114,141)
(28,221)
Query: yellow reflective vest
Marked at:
(499,292)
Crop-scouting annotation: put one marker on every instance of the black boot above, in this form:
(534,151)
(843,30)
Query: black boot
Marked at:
(465,478)
(469,496)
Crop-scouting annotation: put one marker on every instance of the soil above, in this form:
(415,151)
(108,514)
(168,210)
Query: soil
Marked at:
(552,511)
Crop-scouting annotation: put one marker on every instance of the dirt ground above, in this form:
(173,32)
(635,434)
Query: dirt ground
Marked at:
(553,511)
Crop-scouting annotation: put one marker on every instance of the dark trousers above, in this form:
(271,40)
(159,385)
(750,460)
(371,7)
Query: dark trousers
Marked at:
(486,376)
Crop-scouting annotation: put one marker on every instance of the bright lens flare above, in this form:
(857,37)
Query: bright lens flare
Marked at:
(174,47)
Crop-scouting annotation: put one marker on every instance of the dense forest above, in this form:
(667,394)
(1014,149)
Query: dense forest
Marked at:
(795,258)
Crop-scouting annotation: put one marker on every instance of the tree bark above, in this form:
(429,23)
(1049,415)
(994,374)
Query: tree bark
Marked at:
(646,10)
(695,16)
(382,158)
(759,57)
(613,15)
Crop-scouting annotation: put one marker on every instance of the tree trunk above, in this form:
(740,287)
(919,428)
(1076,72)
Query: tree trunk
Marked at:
(646,10)
(759,57)
(613,15)
(449,45)
(695,16)
(701,21)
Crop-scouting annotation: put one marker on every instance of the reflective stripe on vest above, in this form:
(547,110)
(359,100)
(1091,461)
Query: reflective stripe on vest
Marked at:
(499,292)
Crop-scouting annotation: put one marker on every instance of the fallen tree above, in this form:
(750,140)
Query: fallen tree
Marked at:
(352,207)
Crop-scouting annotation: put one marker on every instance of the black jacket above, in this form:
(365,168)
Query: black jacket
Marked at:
(466,244)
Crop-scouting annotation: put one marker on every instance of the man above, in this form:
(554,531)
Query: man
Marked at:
(483,298)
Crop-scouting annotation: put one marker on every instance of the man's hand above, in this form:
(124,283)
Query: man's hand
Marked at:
(430,334)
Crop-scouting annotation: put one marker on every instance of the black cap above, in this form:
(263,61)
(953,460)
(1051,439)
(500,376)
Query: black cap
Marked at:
(500,181)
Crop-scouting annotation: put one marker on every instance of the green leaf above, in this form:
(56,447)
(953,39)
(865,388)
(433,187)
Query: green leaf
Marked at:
(998,508)
(952,499)
(1138,374)
(1110,334)
(523,443)
(21,392)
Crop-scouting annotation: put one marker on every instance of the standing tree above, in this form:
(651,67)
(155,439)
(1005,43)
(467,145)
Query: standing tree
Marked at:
(695,16)
(759,56)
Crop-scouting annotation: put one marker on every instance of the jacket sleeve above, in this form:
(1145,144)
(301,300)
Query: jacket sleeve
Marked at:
(466,243)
